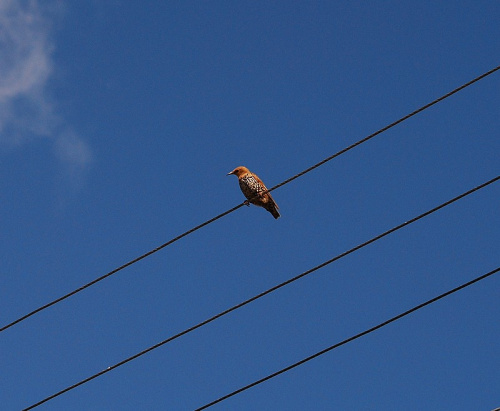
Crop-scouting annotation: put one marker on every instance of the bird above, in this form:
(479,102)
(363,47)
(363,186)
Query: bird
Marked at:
(254,190)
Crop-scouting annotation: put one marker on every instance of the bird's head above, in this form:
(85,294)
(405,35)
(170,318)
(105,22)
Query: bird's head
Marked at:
(238,171)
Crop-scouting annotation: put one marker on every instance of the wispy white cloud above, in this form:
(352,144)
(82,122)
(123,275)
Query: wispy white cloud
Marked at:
(26,108)
(71,149)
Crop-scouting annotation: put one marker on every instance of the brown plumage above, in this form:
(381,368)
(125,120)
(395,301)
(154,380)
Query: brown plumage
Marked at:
(255,191)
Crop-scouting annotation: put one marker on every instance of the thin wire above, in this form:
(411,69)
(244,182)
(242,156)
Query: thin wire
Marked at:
(387,127)
(361,334)
(173,240)
(188,330)
(43,307)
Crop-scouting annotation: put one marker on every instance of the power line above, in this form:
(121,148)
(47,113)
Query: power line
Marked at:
(354,337)
(83,287)
(395,123)
(147,254)
(262,294)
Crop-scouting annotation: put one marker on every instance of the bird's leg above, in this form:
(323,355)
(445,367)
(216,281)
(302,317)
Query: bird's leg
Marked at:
(247,203)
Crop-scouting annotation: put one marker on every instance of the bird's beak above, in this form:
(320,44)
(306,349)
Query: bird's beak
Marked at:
(228,174)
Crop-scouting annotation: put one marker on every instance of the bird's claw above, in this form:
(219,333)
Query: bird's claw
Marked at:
(247,203)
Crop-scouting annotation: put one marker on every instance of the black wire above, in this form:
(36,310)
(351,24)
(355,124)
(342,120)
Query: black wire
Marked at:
(43,307)
(361,334)
(387,127)
(188,330)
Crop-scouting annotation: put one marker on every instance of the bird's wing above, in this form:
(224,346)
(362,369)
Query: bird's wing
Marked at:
(263,191)
(260,186)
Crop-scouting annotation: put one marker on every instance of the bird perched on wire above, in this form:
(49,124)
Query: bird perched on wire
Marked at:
(255,191)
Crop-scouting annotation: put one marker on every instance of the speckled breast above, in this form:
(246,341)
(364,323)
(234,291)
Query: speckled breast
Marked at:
(250,186)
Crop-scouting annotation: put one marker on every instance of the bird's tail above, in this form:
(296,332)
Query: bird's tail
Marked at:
(273,209)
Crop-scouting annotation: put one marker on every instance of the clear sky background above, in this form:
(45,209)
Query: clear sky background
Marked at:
(119,121)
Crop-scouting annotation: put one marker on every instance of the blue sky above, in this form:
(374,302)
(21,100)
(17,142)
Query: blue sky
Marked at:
(119,121)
